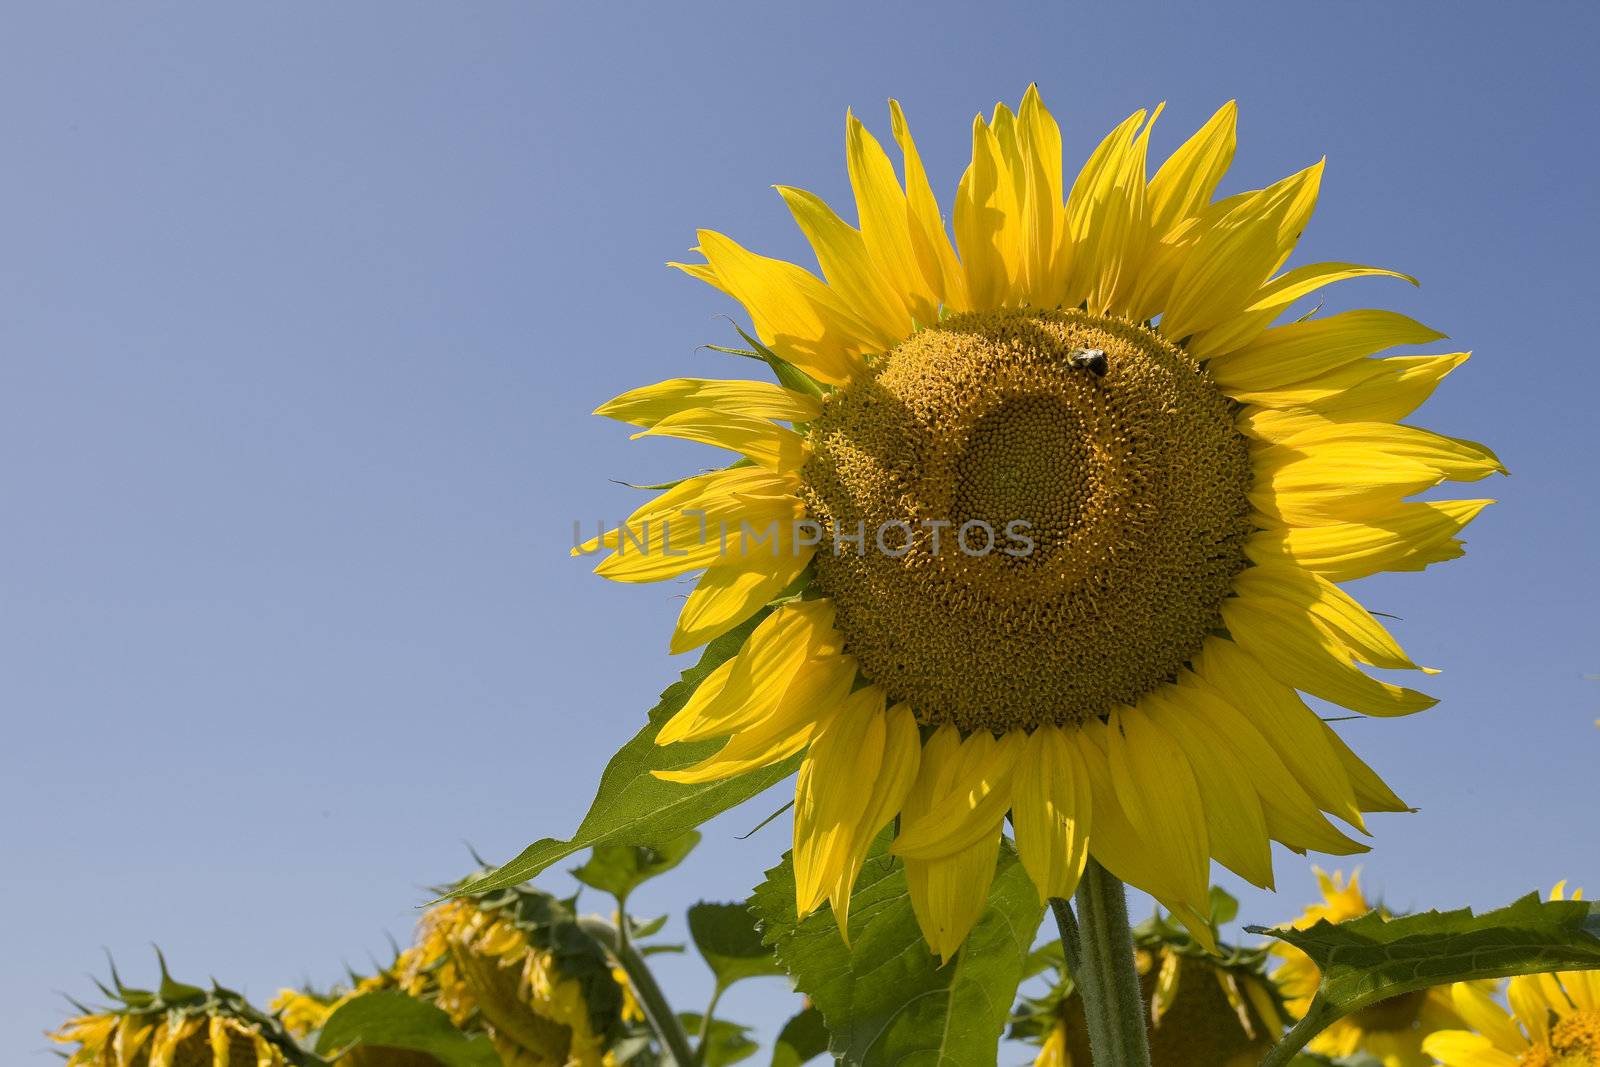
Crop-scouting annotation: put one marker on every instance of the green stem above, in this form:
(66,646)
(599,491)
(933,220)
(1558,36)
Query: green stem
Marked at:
(702,1044)
(1299,1036)
(1098,947)
(657,1012)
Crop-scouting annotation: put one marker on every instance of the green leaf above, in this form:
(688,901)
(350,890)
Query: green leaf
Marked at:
(635,808)
(885,1000)
(620,869)
(390,1019)
(726,1043)
(1371,959)
(727,937)
(1224,907)
(802,1039)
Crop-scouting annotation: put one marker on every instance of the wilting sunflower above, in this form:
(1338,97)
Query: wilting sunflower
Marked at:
(1054,525)
(1554,1021)
(1206,1009)
(1392,1031)
(513,963)
(177,1025)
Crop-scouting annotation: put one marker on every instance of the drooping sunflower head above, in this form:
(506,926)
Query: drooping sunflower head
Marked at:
(1206,1009)
(176,1025)
(1047,520)
(514,963)
(1546,1020)
(1392,1031)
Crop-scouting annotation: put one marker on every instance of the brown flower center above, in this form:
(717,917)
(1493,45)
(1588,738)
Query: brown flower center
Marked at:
(1033,516)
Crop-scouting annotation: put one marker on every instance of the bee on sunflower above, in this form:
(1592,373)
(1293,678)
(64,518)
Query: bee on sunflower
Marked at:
(1046,522)
(177,1025)
(1553,1021)
(1206,1009)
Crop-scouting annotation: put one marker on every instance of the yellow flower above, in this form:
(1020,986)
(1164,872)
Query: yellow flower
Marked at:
(179,1026)
(1205,1011)
(1392,1031)
(1053,523)
(480,966)
(1554,1021)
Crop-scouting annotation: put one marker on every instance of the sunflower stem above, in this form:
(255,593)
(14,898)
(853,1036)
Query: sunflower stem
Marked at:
(1098,948)
(1315,1020)
(657,1012)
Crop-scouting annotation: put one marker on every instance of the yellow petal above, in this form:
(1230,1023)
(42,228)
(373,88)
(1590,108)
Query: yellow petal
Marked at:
(1156,788)
(1301,350)
(729,593)
(1335,482)
(777,448)
(1236,828)
(936,257)
(1453,458)
(1106,216)
(948,894)
(687,541)
(1189,178)
(1458,1048)
(1298,594)
(1483,1013)
(1372,792)
(1045,252)
(1120,848)
(719,493)
(810,701)
(971,807)
(1531,1005)
(1213,722)
(1404,537)
(1294,730)
(851,273)
(1052,805)
(1272,299)
(852,783)
(987,230)
(793,312)
(886,223)
(1372,390)
(759,400)
(1298,653)
(1236,254)
(747,688)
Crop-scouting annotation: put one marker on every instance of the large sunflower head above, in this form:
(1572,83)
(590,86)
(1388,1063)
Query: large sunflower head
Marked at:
(514,963)
(1392,1031)
(176,1025)
(1553,1021)
(1048,519)
(1207,1009)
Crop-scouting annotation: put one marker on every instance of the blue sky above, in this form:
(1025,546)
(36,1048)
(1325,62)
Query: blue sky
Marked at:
(305,307)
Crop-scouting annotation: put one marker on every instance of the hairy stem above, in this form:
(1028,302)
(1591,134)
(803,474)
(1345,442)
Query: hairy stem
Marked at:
(1098,947)
(1299,1036)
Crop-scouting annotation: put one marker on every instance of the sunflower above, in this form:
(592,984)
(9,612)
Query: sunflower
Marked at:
(511,964)
(1392,1031)
(176,1026)
(1554,1021)
(1049,527)
(1206,1010)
